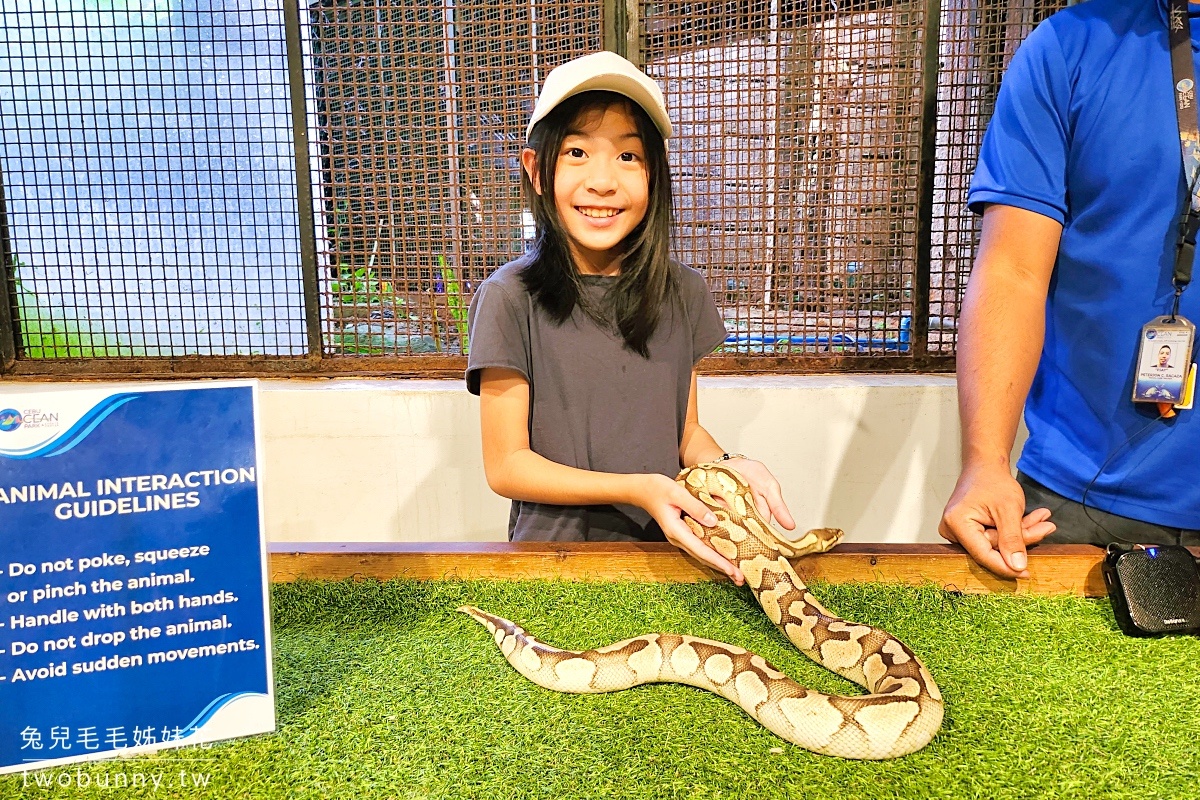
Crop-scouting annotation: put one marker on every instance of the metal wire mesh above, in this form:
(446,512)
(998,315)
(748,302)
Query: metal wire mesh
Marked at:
(421,107)
(149,180)
(978,39)
(796,165)
(150,191)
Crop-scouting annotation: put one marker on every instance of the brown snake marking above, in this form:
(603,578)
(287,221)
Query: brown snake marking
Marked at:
(901,714)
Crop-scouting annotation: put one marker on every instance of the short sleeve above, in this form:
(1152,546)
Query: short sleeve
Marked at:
(1023,160)
(708,328)
(498,332)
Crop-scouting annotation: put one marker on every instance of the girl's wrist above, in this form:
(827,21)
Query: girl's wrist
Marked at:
(710,457)
(632,487)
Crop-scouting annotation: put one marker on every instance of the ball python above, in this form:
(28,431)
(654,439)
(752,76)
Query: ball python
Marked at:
(900,715)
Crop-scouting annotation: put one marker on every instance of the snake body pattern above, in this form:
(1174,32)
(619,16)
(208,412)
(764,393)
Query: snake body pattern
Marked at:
(901,714)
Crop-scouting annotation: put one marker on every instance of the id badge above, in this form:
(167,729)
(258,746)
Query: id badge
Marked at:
(1164,363)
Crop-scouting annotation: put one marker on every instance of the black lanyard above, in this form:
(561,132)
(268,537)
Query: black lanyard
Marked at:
(1183,73)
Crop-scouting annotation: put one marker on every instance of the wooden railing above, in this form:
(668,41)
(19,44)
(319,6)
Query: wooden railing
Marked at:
(1054,569)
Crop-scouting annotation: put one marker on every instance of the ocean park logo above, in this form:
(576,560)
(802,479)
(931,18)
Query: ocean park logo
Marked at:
(10,420)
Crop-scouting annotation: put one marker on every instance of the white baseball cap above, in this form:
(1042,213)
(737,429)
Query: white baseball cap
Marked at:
(604,71)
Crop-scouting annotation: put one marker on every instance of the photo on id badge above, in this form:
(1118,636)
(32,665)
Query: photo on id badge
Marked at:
(1163,362)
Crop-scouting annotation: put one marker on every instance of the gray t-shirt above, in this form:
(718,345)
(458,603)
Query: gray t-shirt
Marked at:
(593,403)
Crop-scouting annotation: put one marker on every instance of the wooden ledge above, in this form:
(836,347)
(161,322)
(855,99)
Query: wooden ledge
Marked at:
(1054,569)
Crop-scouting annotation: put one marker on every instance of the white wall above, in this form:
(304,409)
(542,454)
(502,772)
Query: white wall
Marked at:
(400,460)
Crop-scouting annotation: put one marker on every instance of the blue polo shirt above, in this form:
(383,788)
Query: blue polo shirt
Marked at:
(1084,132)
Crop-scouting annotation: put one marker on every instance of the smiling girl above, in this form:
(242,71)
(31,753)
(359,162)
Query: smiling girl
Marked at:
(583,352)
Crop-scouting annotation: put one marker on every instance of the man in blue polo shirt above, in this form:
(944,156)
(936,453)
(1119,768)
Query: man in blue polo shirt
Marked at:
(1080,183)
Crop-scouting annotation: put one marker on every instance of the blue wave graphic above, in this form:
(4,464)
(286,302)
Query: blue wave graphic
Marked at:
(211,709)
(78,432)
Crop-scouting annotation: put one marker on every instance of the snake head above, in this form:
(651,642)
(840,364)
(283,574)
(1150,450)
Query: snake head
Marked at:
(818,540)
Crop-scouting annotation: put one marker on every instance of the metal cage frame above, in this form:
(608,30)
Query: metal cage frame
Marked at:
(958,49)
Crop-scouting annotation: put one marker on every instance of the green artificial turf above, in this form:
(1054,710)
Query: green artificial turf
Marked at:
(384,691)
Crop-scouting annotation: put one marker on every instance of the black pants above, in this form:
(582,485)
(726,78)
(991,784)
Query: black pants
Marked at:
(1077,525)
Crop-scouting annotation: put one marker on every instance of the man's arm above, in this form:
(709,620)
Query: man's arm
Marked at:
(1001,332)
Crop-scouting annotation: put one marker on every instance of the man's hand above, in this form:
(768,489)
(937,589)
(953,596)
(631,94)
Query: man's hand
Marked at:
(1000,335)
(666,501)
(768,498)
(986,515)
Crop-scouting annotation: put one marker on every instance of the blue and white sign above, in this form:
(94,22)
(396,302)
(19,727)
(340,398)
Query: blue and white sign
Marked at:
(133,597)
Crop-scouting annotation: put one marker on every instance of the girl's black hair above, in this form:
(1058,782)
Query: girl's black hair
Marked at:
(634,304)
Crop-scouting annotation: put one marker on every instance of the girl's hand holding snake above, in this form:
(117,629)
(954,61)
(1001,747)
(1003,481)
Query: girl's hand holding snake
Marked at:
(666,501)
(768,497)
